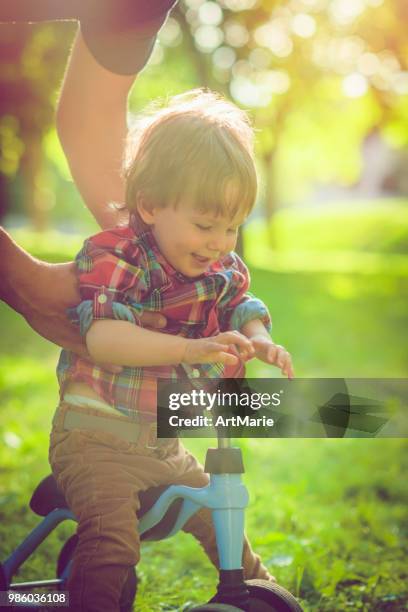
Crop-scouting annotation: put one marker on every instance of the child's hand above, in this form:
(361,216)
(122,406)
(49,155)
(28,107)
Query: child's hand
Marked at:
(215,349)
(275,354)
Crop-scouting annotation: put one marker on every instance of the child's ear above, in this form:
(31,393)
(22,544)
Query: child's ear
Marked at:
(145,209)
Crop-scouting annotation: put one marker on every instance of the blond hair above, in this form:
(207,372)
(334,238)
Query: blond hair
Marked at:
(198,148)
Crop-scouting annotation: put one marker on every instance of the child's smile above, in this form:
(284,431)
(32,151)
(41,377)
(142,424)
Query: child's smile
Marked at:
(202,261)
(190,240)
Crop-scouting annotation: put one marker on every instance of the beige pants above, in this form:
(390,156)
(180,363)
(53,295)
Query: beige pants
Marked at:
(101,476)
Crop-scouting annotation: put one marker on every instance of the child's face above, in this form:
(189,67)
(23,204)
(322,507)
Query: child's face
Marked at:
(191,240)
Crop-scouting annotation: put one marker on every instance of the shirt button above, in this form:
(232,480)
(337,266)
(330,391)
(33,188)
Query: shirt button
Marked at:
(196,373)
(102,299)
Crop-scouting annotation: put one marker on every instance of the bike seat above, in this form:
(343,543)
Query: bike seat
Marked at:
(48,497)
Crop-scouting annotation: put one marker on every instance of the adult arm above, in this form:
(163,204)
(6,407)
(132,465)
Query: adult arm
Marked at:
(91,121)
(91,124)
(42,292)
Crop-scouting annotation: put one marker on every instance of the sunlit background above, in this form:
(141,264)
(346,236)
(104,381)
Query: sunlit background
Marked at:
(326,85)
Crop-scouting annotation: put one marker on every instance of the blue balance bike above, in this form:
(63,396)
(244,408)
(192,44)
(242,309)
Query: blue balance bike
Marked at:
(164,510)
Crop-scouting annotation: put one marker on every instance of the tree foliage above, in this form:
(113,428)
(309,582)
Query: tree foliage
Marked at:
(318,76)
(33,58)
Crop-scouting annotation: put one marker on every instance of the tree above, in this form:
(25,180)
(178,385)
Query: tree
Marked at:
(33,57)
(310,71)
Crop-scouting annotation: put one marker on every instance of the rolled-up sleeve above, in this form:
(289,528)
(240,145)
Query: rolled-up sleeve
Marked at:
(248,309)
(111,287)
(237,306)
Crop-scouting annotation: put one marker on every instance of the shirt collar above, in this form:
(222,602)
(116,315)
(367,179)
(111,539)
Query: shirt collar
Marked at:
(150,241)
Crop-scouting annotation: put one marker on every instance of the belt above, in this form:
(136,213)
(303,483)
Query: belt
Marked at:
(128,430)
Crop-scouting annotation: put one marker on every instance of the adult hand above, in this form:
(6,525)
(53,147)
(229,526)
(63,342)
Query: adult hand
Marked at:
(42,292)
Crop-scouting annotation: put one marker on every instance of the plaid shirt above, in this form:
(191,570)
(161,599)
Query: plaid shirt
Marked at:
(120,276)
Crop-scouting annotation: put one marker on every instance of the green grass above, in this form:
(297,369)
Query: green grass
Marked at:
(365,226)
(328,516)
(361,237)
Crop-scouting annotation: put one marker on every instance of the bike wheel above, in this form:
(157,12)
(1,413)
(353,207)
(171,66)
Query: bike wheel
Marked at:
(268,596)
(215,607)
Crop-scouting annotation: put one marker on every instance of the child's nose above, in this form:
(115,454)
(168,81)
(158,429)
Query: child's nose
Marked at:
(218,243)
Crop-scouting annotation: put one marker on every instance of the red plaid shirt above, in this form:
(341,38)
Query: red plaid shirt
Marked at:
(121,275)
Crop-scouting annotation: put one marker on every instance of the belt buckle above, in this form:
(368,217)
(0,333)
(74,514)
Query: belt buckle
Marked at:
(151,430)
